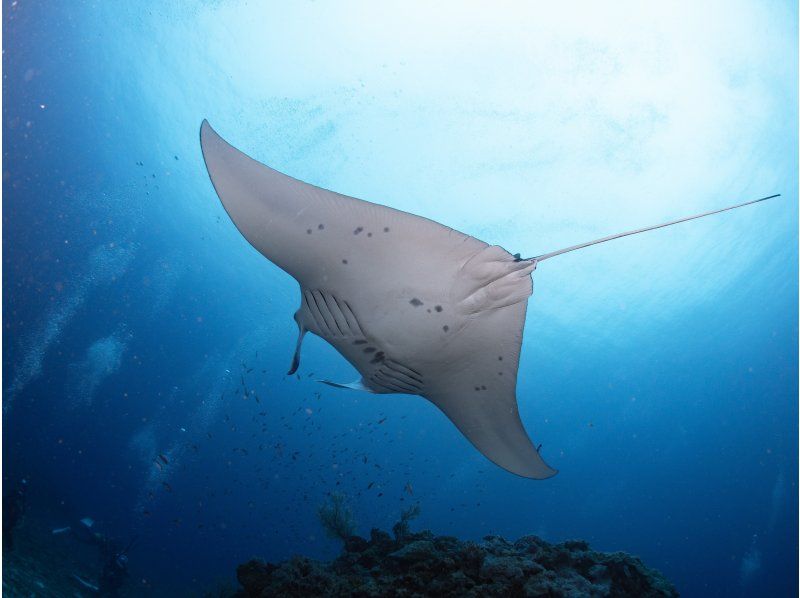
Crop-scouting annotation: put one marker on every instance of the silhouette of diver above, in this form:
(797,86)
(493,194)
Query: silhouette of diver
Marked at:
(114,559)
(115,566)
(14,505)
(114,573)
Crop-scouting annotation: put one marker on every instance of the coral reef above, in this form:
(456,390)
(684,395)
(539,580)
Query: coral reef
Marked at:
(336,518)
(401,529)
(422,564)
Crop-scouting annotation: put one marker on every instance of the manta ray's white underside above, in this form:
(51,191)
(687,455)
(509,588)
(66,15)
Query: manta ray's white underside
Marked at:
(415,306)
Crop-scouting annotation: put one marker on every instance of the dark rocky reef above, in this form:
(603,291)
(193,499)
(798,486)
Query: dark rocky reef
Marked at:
(421,564)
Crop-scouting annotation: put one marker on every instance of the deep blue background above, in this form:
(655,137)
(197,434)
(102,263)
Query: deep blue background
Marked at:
(659,372)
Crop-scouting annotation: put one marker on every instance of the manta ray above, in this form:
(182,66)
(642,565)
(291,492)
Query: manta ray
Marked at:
(415,306)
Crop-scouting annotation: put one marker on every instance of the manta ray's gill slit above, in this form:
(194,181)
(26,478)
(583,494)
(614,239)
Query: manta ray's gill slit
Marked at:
(391,374)
(316,315)
(334,313)
(345,316)
(388,373)
(333,317)
(406,386)
(404,370)
(352,320)
(330,321)
(380,378)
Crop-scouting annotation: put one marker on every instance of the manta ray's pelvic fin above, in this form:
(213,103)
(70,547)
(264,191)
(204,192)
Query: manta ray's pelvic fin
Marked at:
(357,385)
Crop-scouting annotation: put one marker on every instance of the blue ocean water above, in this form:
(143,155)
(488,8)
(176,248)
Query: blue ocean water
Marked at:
(659,372)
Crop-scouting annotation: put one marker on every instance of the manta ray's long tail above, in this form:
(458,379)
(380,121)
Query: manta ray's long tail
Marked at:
(546,256)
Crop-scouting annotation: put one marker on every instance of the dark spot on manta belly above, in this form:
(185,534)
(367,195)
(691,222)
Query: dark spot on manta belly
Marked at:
(358,230)
(369,234)
(321,226)
(438,308)
(386,229)
(445,327)
(500,358)
(344,261)
(415,302)
(308,231)
(379,357)
(369,350)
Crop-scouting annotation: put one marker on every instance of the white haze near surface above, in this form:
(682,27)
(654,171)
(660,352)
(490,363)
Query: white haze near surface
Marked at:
(530,125)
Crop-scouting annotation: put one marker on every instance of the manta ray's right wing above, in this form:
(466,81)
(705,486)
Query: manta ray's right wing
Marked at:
(478,393)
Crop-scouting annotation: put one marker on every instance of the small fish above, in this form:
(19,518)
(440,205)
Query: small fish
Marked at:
(167,487)
(409,489)
(371,484)
(163,458)
(380,421)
